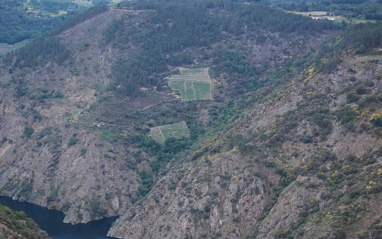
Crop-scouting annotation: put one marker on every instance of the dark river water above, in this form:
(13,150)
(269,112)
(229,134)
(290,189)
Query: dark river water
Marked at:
(51,221)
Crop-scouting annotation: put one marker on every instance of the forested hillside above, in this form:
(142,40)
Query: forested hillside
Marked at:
(17,225)
(201,119)
(16,25)
(21,19)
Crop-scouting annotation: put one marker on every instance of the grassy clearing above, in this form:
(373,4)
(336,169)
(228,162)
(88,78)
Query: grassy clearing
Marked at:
(177,130)
(157,135)
(202,90)
(193,84)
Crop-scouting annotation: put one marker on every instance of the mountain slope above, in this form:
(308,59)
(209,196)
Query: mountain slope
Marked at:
(292,176)
(68,142)
(287,146)
(48,160)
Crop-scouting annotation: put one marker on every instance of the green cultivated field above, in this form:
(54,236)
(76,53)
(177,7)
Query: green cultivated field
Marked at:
(177,130)
(193,84)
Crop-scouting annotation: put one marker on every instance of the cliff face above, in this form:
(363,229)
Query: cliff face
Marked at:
(50,158)
(17,225)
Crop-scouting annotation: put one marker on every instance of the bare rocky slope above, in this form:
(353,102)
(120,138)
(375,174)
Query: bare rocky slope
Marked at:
(62,165)
(299,157)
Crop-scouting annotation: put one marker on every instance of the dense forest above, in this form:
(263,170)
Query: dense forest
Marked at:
(200,24)
(174,27)
(48,47)
(363,37)
(21,19)
(360,39)
(17,25)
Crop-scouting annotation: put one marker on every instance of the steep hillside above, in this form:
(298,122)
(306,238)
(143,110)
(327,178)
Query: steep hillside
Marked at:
(303,161)
(17,225)
(71,144)
(108,115)
(48,157)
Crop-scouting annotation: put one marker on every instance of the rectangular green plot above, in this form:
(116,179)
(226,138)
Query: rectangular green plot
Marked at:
(196,74)
(202,90)
(189,91)
(178,86)
(184,87)
(178,77)
(192,84)
(177,130)
(156,134)
(194,71)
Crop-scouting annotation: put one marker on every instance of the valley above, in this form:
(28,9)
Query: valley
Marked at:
(212,119)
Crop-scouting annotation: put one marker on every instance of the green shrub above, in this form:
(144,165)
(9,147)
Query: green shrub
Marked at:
(347,115)
(72,141)
(352,97)
(28,132)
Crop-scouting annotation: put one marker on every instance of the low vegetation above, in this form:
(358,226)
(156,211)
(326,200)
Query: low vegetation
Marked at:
(18,225)
(177,130)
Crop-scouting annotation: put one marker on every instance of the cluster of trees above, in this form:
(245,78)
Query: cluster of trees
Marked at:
(78,18)
(241,74)
(17,25)
(258,16)
(360,38)
(48,47)
(363,37)
(53,5)
(175,26)
(162,153)
(39,51)
(179,26)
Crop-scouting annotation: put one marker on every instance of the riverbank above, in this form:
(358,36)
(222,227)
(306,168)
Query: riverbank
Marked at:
(51,221)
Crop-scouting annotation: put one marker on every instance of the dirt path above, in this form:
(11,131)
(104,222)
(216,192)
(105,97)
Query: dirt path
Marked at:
(148,107)
(161,133)
(2,151)
(193,89)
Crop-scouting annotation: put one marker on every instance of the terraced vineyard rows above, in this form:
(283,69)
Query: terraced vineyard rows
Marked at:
(193,84)
(176,130)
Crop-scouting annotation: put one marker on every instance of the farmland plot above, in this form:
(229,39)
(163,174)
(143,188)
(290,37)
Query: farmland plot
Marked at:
(176,130)
(192,84)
